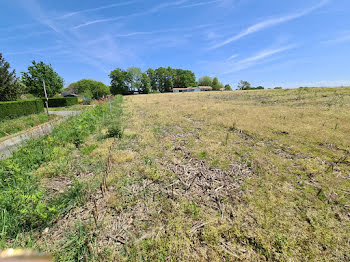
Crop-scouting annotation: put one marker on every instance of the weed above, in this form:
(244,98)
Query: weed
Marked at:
(115,130)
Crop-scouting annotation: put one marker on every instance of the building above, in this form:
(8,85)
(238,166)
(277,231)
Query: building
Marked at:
(180,90)
(204,88)
(69,93)
(192,89)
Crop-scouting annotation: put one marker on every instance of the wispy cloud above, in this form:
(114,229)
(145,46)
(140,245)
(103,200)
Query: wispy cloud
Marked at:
(255,59)
(95,9)
(232,57)
(269,23)
(201,4)
(343,38)
(24,36)
(35,51)
(154,9)
(98,21)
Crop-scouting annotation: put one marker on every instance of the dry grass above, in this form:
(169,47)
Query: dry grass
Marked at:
(217,176)
(295,200)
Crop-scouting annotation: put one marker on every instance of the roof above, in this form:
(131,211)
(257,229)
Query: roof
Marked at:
(69,93)
(179,88)
(205,87)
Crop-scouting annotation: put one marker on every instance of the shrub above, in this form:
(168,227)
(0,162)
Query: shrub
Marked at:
(20,108)
(62,101)
(115,131)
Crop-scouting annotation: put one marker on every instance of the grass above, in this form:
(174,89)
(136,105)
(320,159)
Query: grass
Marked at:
(12,126)
(78,107)
(234,176)
(40,181)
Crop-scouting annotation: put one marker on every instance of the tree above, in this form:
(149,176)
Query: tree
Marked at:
(278,87)
(184,78)
(38,72)
(205,81)
(120,80)
(10,87)
(90,88)
(244,85)
(134,78)
(152,77)
(216,84)
(259,87)
(164,79)
(145,86)
(228,88)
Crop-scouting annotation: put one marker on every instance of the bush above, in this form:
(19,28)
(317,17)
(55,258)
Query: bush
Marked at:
(115,131)
(20,108)
(62,101)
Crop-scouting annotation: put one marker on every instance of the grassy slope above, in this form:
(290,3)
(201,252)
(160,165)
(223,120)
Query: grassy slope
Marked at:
(257,175)
(295,203)
(12,126)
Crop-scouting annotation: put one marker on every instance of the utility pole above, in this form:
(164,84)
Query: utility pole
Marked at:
(46,99)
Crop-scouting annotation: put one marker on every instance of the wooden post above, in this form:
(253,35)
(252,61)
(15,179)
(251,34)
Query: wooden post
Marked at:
(46,99)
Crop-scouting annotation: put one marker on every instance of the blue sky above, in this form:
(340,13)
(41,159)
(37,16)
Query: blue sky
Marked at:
(270,43)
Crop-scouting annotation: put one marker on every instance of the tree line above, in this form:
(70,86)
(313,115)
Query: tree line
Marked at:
(162,79)
(131,80)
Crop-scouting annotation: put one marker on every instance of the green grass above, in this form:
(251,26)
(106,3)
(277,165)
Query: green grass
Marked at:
(229,176)
(78,107)
(24,201)
(12,126)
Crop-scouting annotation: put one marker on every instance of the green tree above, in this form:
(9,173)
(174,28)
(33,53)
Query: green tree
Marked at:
(205,81)
(33,79)
(243,85)
(145,86)
(152,77)
(260,87)
(164,78)
(216,84)
(278,87)
(120,80)
(228,88)
(184,78)
(90,88)
(135,74)
(10,86)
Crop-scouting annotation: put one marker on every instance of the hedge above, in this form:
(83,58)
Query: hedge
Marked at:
(20,108)
(62,101)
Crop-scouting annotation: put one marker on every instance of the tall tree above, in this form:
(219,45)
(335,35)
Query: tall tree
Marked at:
(164,78)
(37,72)
(228,88)
(184,78)
(205,81)
(216,84)
(135,78)
(10,87)
(120,80)
(90,88)
(243,85)
(145,86)
(152,77)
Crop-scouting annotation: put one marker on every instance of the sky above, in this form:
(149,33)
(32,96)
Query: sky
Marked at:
(269,43)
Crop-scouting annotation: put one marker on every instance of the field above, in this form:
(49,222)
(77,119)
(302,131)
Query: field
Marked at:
(209,176)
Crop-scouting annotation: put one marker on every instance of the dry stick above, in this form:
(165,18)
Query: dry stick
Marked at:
(104,186)
(94,212)
(87,242)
